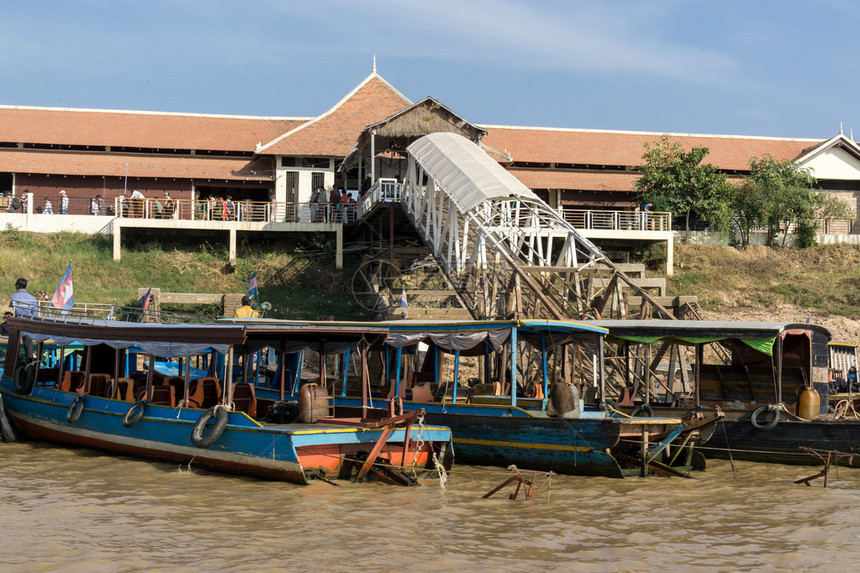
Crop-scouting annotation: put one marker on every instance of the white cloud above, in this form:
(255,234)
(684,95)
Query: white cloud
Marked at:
(619,37)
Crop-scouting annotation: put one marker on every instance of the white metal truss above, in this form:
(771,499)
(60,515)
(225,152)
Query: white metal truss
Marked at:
(505,255)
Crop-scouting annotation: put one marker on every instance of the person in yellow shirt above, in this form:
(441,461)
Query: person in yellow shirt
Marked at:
(245,311)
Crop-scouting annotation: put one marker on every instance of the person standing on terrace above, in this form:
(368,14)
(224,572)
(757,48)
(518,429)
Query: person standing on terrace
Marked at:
(137,200)
(64,203)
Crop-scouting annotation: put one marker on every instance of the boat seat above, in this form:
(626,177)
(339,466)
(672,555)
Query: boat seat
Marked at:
(125,389)
(162,395)
(392,386)
(204,393)
(423,392)
(626,397)
(490,389)
(244,398)
(100,385)
(178,385)
(73,381)
(533,389)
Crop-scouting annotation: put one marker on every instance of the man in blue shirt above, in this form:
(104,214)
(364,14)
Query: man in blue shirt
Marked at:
(24,305)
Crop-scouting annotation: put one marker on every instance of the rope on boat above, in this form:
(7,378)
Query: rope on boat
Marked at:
(419,442)
(843,407)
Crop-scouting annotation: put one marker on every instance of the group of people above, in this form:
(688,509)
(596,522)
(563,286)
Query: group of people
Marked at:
(97,204)
(340,208)
(133,205)
(16,204)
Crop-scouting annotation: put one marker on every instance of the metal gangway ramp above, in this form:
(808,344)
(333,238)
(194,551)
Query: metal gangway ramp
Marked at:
(506,252)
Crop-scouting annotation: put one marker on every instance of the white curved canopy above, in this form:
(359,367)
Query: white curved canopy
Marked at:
(465,171)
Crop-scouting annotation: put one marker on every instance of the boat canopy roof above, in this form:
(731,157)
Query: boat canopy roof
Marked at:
(759,335)
(293,336)
(185,339)
(480,337)
(167,340)
(465,171)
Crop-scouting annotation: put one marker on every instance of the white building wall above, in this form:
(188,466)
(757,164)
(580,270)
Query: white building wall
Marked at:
(835,163)
(305,180)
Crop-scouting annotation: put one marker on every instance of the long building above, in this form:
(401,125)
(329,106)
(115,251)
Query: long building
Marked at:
(281,159)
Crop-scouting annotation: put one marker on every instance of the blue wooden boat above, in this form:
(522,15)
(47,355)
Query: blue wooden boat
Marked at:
(115,402)
(459,374)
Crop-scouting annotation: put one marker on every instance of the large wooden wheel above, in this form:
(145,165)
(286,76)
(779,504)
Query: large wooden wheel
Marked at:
(377,285)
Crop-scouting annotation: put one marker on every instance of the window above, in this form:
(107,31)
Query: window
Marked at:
(317,180)
(292,182)
(316,162)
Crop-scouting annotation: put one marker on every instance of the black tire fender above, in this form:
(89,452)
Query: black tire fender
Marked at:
(75,410)
(770,424)
(649,411)
(134,414)
(25,377)
(202,440)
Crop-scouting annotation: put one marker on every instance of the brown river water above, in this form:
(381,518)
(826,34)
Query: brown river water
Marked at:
(80,510)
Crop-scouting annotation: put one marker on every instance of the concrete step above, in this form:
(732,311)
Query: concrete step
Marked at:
(652,283)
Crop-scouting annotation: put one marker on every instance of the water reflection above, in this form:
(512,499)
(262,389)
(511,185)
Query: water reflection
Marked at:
(78,510)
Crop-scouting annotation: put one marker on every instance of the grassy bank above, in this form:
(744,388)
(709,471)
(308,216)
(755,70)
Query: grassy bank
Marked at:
(825,278)
(295,288)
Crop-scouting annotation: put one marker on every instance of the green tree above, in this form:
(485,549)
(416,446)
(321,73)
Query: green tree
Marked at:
(677,181)
(779,194)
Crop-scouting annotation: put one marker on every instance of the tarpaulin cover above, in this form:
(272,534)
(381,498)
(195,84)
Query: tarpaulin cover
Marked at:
(763,345)
(451,341)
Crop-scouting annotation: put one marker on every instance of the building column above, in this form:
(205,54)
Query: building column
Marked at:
(338,257)
(233,246)
(117,250)
(670,255)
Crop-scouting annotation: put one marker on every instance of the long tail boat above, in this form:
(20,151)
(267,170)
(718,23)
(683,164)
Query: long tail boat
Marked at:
(527,393)
(113,394)
(769,379)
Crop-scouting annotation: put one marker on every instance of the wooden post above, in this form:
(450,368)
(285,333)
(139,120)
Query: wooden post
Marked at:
(283,376)
(363,351)
(647,365)
(228,395)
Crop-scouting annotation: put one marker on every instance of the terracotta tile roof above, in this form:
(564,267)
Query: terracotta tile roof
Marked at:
(588,147)
(139,129)
(114,165)
(334,133)
(588,180)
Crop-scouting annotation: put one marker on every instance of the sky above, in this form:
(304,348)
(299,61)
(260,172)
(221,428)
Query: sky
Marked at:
(781,68)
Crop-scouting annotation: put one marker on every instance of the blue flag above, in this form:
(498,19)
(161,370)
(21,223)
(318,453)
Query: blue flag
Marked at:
(403,298)
(64,296)
(252,285)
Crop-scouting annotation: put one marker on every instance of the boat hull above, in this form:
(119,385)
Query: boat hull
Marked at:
(783,444)
(294,453)
(498,435)
(734,437)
